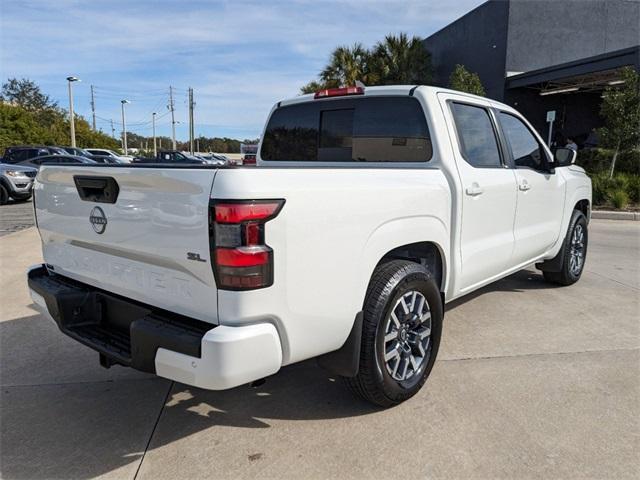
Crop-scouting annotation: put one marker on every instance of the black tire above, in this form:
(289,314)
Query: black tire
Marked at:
(568,275)
(4,195)
(389,283)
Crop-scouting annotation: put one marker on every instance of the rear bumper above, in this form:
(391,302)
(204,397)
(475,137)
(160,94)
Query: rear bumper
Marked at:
(129,333)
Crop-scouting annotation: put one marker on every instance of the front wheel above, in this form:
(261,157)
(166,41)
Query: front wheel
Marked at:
(4,195)
(401,333)
(574,252)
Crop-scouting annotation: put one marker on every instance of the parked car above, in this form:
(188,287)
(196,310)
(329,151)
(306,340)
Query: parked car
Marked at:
(16,181)
(249,153)
(109,153)
(170,156)
(22,153)
(81,152)
(103,159)
(78,152)
(368,210)
(57,159)
(212,159)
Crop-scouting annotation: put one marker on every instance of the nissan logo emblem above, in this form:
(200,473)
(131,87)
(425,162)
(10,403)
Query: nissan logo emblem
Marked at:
(98,220)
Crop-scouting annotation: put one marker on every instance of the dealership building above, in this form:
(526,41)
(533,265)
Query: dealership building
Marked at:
(544,56)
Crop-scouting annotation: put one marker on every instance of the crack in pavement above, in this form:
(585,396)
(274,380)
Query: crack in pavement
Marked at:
(613,280)
(153,430)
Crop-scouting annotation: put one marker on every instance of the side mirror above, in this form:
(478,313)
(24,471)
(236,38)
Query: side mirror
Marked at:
(564,157)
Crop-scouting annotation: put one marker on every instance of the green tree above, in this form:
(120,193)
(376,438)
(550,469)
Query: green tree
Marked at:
(465,81)
(620,110)
(400,60)
(29,116)
(25,94)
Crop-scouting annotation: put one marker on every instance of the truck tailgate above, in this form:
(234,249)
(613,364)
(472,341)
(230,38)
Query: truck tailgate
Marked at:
(150,245)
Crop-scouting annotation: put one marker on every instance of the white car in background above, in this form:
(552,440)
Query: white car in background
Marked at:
(110,153)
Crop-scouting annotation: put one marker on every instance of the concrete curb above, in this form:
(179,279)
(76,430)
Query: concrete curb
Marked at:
(611,215)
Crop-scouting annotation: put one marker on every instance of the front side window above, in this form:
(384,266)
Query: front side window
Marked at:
(366,129)
(526,151)
(477,137)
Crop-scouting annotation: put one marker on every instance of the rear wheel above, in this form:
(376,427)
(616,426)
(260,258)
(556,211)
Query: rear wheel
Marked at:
(4,195)
(401,333)
(574,252)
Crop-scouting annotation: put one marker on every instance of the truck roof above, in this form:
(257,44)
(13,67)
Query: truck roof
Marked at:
(387,90)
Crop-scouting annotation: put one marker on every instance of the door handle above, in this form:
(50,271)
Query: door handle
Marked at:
(474,190)
(524,186)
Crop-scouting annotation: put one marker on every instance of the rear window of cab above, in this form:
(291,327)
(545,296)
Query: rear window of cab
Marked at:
(364,129)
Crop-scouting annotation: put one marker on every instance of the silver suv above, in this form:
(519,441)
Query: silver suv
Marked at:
(16,182)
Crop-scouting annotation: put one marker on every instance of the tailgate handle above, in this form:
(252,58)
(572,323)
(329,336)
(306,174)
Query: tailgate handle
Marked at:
(97,189)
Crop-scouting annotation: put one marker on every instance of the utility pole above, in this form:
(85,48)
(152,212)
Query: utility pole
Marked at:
(93,109)
(173,120)
(124,127)
(113,130)
(193,119)
(190,120)
(72,125)
(153,121)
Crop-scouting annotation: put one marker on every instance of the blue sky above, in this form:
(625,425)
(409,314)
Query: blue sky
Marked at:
(240,57)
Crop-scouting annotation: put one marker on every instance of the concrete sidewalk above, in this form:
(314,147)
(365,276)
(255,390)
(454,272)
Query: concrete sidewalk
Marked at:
(614,215)
(532,381)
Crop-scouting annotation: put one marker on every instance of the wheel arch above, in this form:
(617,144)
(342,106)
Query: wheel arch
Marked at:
(584,205)
(422,239)
(426,253)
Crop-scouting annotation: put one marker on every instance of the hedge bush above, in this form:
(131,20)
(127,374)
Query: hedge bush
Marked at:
(595,160)
(617,191)
(624,187)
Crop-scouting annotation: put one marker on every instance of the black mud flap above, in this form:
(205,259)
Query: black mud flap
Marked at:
(346,360)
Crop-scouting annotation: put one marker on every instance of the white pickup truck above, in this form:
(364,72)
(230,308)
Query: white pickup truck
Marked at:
(369,209)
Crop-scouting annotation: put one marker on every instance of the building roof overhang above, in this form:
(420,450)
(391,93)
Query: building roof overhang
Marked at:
(586,74)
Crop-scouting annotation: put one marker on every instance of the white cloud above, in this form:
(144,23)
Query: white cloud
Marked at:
(239,56)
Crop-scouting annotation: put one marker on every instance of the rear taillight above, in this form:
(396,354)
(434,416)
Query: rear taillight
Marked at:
(339,92)
(240,257)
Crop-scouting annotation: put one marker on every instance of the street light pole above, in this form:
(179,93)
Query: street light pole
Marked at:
(70,80)
(124,127)
(153,118)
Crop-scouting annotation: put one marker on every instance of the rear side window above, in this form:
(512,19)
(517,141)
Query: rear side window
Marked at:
(367,129)
(477,137)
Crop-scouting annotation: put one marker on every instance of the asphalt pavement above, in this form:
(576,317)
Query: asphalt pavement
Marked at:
(532,381)
(15,216)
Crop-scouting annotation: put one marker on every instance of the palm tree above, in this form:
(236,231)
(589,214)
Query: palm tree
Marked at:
(401,60)
(397,60)
(347,65)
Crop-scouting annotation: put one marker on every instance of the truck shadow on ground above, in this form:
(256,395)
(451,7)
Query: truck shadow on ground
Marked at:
(83,428)
(71,426)
(522,281)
